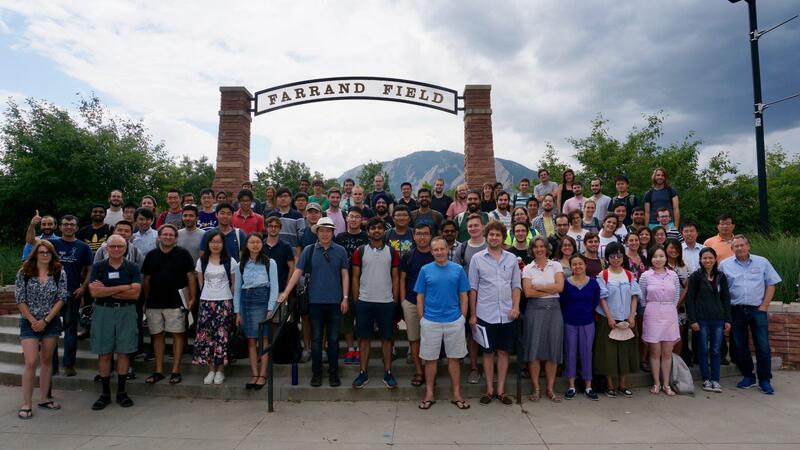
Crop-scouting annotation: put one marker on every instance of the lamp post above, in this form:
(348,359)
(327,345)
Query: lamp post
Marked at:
(758,106)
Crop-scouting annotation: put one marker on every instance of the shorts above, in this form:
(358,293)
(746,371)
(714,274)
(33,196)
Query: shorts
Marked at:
(171,320)
(501,336)
(368,313)
(114,329)
(51,330)
(411,316)
(433,333)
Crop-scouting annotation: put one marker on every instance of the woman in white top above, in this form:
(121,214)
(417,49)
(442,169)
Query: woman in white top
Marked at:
(543,335)
(216,274)
(576,230)
(608,233)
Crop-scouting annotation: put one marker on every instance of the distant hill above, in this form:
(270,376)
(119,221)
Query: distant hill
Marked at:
(428,165)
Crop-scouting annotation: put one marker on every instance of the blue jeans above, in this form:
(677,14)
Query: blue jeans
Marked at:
(709,341)
(324,316)
(749,318)
(70,314)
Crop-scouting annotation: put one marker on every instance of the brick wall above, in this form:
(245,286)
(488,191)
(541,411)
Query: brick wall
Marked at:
(784,333)
(478,140)
(7,303)
(233,140)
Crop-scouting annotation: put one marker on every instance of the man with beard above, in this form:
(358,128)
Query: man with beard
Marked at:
(382,210)
(351,239)
(96,232)
(334,211)
(440,201)
(459,205)
(47,225)
(473,207)
(174,214)
(545,224)
(576,201)
(601,200)
(190,237)
(637,219)
(425,214)
(114,211)
(502,213)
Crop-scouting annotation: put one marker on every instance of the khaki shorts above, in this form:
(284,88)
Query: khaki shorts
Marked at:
(411,316)
(434,333)
(171,320)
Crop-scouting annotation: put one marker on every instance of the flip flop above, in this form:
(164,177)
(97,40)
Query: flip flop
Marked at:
(535,396)
(25,413)
(426,404)
(175,378)
(460,404)
(418,380)
(51,405)
(154,378)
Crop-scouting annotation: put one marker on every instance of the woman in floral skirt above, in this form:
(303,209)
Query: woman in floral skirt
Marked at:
(216,273)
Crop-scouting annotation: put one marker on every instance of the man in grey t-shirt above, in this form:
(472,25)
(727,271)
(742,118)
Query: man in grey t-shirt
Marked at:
(190,237)
(544,187)
(376,289)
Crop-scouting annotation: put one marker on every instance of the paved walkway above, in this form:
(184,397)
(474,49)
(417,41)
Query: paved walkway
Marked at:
(732,420)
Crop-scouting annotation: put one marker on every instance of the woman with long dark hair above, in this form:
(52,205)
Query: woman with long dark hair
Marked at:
(40,293)
(564,191)
(216,275)
(708,305)
(488,200)
(675,262)
(256,294)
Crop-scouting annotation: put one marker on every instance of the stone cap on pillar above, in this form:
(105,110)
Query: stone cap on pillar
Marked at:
(482,87)
(236,89)
(477,99)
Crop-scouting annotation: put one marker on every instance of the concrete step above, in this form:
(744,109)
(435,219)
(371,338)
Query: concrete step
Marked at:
(233,388)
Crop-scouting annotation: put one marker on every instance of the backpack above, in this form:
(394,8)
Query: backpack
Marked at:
(362,248)
(680,377)
(604,273)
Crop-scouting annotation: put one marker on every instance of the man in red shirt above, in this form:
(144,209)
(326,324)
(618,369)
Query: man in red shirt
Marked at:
(245,218)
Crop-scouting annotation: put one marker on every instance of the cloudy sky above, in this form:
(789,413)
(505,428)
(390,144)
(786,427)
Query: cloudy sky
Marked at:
(553,66)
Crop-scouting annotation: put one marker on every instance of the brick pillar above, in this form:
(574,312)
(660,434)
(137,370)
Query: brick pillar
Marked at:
(478,143)
(233,141)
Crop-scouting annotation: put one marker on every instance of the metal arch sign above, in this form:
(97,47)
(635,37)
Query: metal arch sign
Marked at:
(356,88)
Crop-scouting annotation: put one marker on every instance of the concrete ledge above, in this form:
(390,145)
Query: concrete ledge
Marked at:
(236,89)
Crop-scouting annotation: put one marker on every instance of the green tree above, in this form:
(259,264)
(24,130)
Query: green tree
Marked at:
(366,176)
(284,173)
(552,163)
(193,175)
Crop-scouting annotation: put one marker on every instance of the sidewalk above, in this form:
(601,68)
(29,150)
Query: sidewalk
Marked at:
(732,420)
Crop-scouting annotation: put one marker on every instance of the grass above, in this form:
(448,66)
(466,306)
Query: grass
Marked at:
(9,263)
(784,254)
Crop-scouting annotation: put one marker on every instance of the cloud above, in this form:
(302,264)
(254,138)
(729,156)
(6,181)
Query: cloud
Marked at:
(553,66)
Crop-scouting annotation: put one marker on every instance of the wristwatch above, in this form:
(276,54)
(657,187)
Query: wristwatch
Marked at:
(47,322)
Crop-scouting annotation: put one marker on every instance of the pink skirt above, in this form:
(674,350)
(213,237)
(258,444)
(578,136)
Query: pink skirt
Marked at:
(660,323)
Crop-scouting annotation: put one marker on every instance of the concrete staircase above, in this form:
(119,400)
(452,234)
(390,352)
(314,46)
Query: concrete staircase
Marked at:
(237,374)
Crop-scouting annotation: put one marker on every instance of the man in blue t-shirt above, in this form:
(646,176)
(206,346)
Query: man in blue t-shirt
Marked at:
(327,264)
(410,266)
(442,288)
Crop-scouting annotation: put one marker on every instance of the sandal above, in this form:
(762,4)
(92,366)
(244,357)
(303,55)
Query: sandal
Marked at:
(418,380)
(249,386)
(555,398)
(154,378)
(535,396)
(460,404)
(655,389)
(50,404)
(426,404)
(668,390)
(504,399)
(25,413)
(258,386)
(486,399)
(175,378)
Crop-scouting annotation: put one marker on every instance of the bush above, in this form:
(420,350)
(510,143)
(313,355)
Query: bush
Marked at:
(9,263)
(783,252)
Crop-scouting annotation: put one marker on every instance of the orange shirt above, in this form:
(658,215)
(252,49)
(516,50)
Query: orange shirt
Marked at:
(721,246)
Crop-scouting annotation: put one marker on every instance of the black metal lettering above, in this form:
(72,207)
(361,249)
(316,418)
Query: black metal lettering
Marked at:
(422,95)
(313,91)
(359,88)
(399,90)
(344,88)
(437,97)
(329,90)
(285,97)
(272,98)
(387,89)
(411,92)
(299,93)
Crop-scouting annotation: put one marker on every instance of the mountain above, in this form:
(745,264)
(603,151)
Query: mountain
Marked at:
(428,165)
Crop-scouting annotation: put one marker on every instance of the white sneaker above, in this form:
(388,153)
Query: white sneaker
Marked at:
(716,387)
(707,386)
(209,378)
(306,356)
(219,377)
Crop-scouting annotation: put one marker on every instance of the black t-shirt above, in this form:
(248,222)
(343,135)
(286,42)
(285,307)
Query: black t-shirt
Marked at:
(523,253)
(411,204)
(282,253)
(94,237)
(167,273)
(351,242)
(441,204)
(411,264)
(127,273)
(488,206)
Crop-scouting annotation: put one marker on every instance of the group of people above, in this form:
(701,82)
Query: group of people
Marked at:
(604,285)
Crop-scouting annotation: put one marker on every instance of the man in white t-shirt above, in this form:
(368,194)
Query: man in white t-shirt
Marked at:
(502,213)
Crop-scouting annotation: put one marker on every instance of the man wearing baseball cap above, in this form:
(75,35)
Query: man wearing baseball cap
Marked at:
(328,265)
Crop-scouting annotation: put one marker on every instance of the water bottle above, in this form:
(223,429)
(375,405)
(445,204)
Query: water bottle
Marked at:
(294,374)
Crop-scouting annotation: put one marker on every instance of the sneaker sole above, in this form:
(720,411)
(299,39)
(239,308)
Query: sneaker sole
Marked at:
(355,386)
(389,386)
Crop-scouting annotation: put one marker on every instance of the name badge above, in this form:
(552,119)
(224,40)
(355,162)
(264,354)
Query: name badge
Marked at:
(113,275)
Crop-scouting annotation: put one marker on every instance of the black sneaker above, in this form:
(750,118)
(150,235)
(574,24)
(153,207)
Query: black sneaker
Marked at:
(131,373)
(316,380)
(334,381)
(149,356)
(123,400)
(101,402)
(611,393)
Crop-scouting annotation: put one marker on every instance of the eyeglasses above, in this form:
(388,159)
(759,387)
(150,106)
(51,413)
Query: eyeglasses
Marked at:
(116,246)
(615,255)
(44,253)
